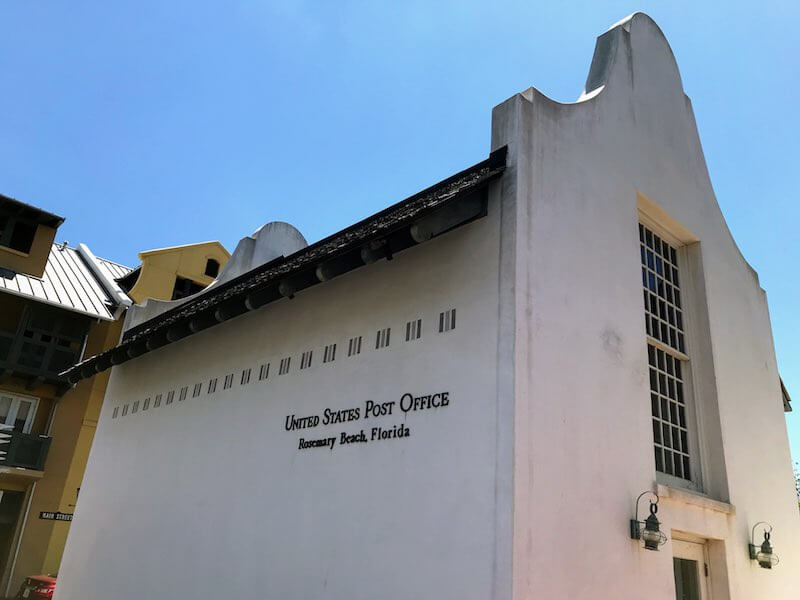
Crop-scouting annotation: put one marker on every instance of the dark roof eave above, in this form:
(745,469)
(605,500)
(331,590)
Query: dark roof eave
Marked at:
(35,213)
(214,305)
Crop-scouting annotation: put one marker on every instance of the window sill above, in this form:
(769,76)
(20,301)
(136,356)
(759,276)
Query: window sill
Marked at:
(695,499)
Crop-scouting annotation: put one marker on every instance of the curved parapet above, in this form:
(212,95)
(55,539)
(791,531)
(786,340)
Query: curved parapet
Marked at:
(267,243)
(150,308)
(584,181)
(634,79)
(608,47)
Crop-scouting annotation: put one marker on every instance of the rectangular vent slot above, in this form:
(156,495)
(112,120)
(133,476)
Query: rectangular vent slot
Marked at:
(115,413)
(228,383)
(182,395)
(170,396)
(413,330)
(157,401)
(135,407)
(245,377)
(263,372)
(124,410)
(354,346)
(382,338)
(212,385)
(283,369)
(305,359)
(447,320)
(146,404)
(198,387)
(330,353)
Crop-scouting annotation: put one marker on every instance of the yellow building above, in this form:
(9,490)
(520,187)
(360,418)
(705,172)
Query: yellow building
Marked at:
(175,273)
(57,305)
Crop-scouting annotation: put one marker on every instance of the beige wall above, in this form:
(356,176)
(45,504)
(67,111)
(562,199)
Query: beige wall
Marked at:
(34,262)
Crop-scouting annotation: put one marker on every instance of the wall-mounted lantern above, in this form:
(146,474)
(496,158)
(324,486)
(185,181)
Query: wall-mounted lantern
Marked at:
(763,553)
(649,530)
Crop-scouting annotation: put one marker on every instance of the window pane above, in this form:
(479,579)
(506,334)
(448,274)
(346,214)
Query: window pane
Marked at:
(5,408)
(660,278)
(22,415)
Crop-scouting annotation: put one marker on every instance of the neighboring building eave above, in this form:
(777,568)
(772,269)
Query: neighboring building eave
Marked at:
(69,283)
(59,305)
(110,286)
(449,204)
(35,214)
(211,244)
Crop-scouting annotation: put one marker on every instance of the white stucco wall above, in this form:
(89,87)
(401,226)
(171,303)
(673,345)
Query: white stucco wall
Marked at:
(211,498)
(583,437)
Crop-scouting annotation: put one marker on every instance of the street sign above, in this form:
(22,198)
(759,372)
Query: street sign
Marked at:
(55,516)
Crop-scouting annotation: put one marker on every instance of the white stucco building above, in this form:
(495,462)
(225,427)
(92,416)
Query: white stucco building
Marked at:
(462,396)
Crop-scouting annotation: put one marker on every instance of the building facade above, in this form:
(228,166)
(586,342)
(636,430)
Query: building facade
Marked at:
(176,272)
(475,393)
(57,304)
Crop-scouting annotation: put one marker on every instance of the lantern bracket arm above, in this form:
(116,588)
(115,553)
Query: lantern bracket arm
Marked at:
(635,523)
(767,531)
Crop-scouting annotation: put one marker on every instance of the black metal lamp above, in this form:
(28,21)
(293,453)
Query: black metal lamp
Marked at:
(763,553)
(651,533)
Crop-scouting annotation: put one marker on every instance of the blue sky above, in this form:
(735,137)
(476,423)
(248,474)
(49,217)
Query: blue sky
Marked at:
(152,123)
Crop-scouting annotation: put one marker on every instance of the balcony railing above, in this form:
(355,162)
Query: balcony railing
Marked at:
(34,358)
(24,450)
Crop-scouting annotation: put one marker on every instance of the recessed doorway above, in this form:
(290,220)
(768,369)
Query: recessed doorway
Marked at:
(690,566)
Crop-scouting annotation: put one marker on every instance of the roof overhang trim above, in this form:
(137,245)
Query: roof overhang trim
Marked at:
(438,209)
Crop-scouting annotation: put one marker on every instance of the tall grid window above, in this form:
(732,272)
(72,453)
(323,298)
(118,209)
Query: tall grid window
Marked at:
(666,347)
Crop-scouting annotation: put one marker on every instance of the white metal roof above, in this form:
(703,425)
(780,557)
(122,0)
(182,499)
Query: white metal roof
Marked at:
(68,282)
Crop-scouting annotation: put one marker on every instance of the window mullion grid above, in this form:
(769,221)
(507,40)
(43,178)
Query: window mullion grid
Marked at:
(667,361)
(668,405)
